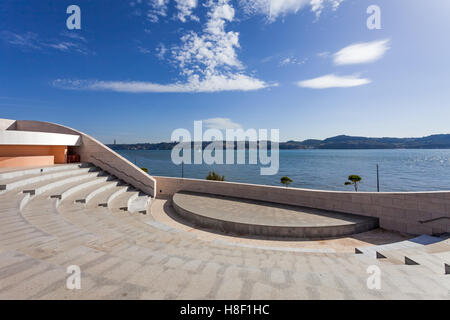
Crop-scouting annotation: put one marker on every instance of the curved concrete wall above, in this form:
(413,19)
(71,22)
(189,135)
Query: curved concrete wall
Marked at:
(15,137)
(93,151)
(402,212)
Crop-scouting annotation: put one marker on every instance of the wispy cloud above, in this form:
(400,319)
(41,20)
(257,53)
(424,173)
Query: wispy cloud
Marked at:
(364,52)
(333,81)
(235,82)
(74,35)
(143,50)
(221,124)
(292,61)
(67,42)
(161,51)
(28,40)
(324,54)
(273,9)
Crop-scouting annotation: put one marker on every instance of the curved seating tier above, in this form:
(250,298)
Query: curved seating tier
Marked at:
(80,219)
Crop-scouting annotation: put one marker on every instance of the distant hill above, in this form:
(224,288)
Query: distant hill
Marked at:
(441,141)
(438,141)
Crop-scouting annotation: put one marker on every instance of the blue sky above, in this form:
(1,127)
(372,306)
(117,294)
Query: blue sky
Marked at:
(137,70)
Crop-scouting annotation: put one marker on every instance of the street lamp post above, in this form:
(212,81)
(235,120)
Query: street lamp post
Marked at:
(378,179)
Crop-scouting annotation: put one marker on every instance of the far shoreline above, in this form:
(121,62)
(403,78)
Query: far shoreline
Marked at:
(342,142)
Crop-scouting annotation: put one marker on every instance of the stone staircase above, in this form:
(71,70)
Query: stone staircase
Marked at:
(430,252)
(79,215)
(79,180)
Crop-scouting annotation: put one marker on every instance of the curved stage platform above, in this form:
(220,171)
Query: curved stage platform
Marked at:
(265,219)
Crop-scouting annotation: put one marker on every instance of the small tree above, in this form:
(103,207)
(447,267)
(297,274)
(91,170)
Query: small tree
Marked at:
(145,170)
(286,181)
(353,179)
(214,176)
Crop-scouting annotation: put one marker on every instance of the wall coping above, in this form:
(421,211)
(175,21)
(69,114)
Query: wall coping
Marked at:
(304,189)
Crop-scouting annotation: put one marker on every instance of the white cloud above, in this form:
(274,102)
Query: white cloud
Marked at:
(221,124)
(273,8)
(157,9)
(317,6)
(279,8)
(333,81)
(185,8)
(364,52)
(207,60)
(212,49)
(235,82)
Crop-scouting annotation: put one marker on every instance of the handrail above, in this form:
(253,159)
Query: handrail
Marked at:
(124,173)
(434,219)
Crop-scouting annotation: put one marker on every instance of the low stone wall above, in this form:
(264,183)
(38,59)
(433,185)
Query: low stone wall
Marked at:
(95,152)
(397,211)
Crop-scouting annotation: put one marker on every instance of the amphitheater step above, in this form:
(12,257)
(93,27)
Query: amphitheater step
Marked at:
(23,180)
(82,195)
(121,199)
(93,182)
(138,203)
(103,190)
(100,196)
(20,173)
(80,178)
(33,184)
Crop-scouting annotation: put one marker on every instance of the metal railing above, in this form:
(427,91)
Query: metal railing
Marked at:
(434,219)
(124,173)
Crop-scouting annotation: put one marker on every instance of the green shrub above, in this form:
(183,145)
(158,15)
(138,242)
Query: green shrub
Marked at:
(286,181)
(353,179)
(214,176)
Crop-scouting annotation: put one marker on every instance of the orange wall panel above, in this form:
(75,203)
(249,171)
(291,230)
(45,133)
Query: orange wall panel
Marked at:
(33,161)
(16,151)
(58,152)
